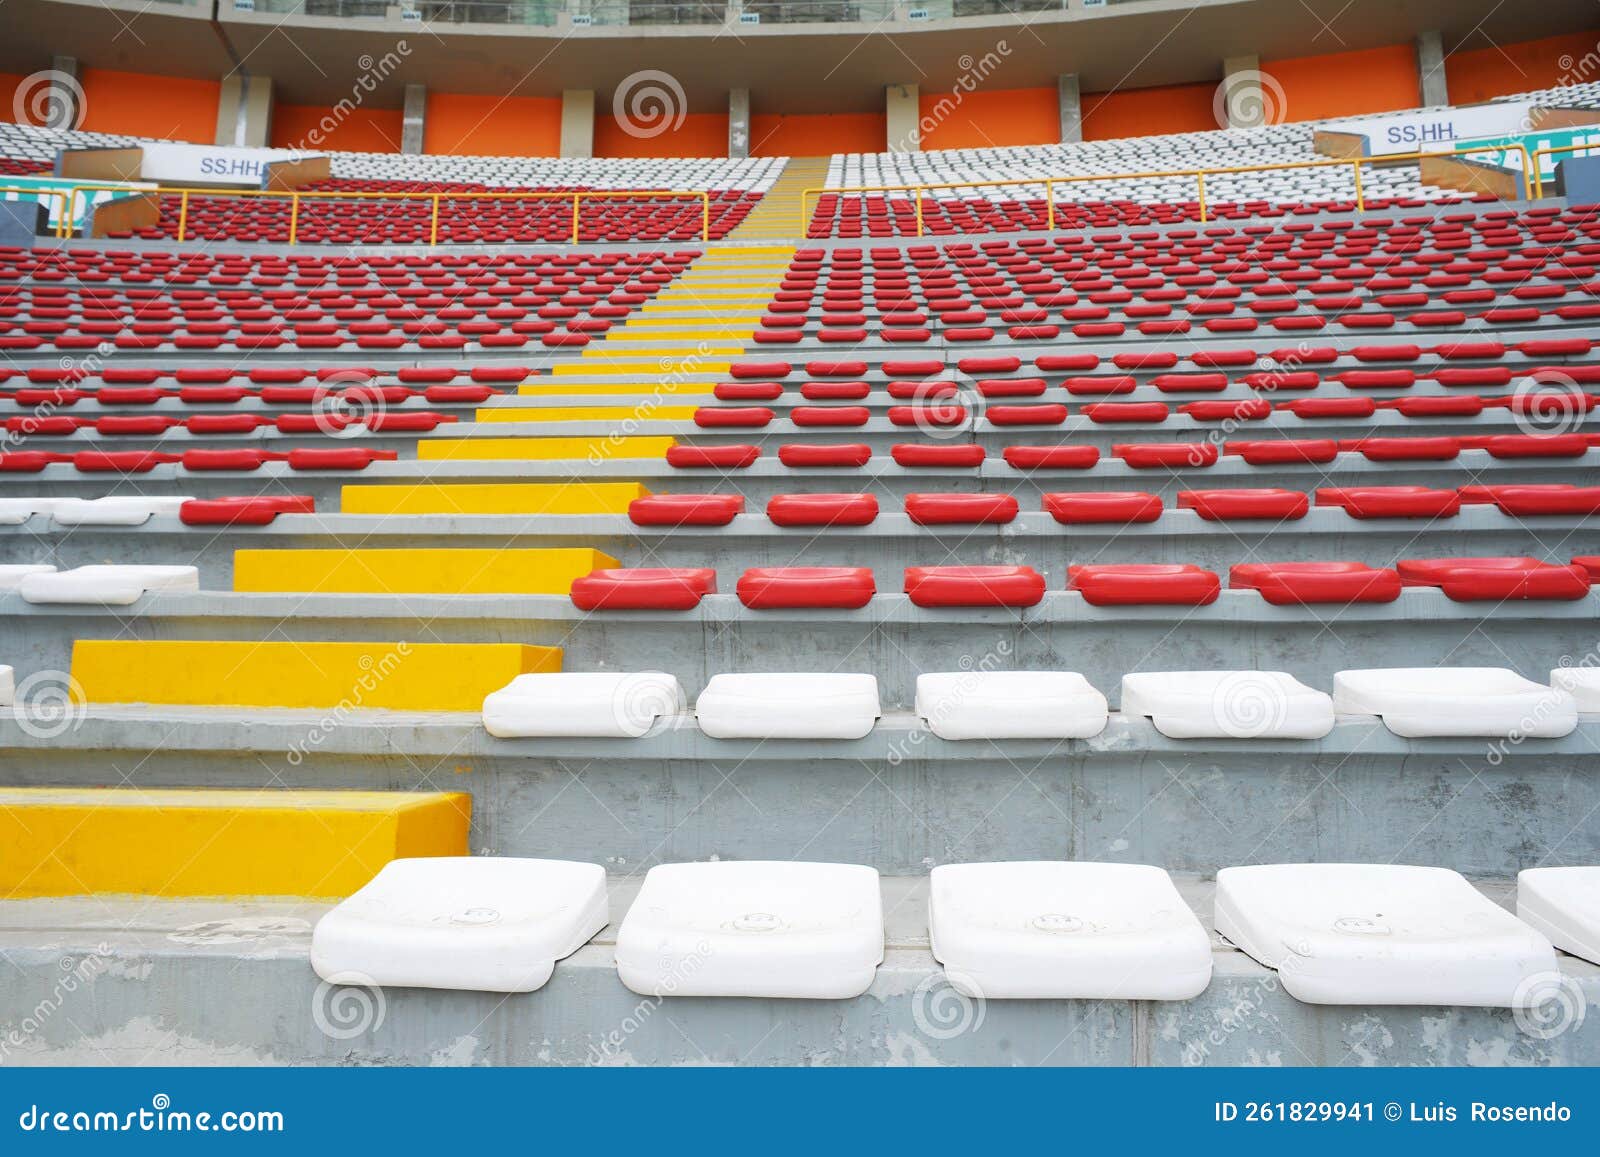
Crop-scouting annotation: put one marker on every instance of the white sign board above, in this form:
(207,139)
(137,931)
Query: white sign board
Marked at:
(1438,130)
(180,164)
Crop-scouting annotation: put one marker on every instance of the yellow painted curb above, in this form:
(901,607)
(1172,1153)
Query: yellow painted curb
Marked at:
(492,497)
(399,676)
(416,571)
(634,368)
(638,390)
(645,409)
(544,449)
(121,841)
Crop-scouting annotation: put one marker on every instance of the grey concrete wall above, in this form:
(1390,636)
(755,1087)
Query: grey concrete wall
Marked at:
(738,123)
(1071,101)
(577,122)
(414,119)
(903,128)
(1433,87)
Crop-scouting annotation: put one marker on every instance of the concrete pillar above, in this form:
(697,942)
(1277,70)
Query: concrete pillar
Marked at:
(1432,88)
(577,122)
(1242,98)
(244,111)
(903,115)
(1071,101)
(738,123)
(64,101)
(414,119)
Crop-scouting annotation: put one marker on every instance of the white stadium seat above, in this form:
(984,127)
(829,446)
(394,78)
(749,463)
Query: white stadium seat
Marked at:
(111,586)
(788,706)
(1422,702)
(12,574)
(1379,934)
(482,923)
(133,510)
(595,704)
(1060,930)
(8,686)
(1010,705)
(753,928)
(1582,683)
(16,511)
(1564,904)
(1228,704)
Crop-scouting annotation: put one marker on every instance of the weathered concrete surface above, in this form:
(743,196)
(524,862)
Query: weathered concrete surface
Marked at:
(889,545)
(134,982)
(889,637)
(901,800)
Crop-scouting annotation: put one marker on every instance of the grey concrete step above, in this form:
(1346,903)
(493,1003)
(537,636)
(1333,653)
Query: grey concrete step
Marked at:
(900,799)
(889,544)
(130,981)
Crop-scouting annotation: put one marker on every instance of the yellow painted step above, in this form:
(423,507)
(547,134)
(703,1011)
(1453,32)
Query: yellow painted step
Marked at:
(399,676)
(686,335)
(747,250)
(445,571)
(583,369)
(724,321)
(645,408)
(122,841)
(593,450)
(492,497)
(636,389)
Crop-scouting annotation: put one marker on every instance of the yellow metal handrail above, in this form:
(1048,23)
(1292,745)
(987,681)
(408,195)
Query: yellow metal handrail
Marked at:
(1538,173)
(1199,175)
(295,197)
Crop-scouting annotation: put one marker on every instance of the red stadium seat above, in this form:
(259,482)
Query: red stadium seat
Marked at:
(712,457)
(1558,498)
(1052,457)
(953,454)
(685,509)
(838,454)
(1303,583)
(1228,505)
(244,511)
(713,417)
(1391,501)
(822,509)
(1133,584)
(1166,455)
(945,509)
(648,588)
(1496,579)
(974,586)
(806,587)
(1103,506)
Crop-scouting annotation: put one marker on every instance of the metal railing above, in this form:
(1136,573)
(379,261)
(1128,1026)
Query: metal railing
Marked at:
(1353,163)
(32,193)
(1538,172)
(436,200)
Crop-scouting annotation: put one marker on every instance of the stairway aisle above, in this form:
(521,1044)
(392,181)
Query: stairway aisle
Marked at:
(777,215)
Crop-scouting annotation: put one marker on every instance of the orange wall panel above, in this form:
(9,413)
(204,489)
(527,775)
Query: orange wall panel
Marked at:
(701,134)
(983,118)
(1476,74)
(164,107)
(467,124)
(1314,87)
(1143,112)
(9,83)
(817,134)
(315,127)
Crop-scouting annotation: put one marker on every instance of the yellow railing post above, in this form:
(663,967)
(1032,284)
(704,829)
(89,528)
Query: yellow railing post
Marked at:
(294,217)
(575,198)
(1361,197)
(1049,204)
(433,224)
(1200,185)
(64,224)
(918,196)
(183,213)
(705,216)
